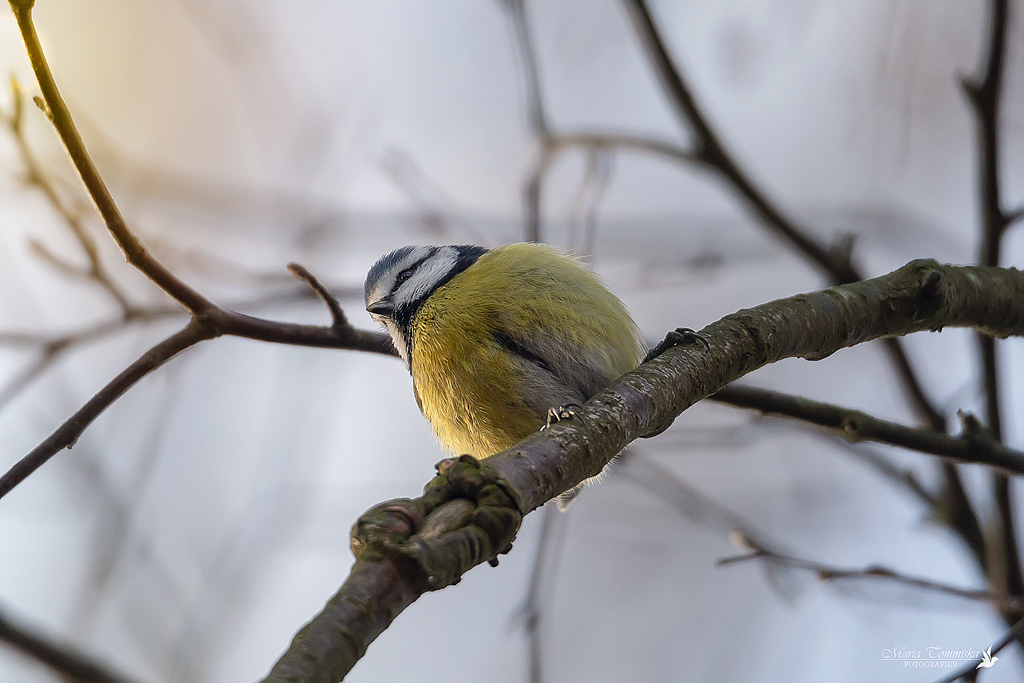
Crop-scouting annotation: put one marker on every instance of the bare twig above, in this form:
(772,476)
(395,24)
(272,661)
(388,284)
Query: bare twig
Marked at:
(970,671)
(984,96)
(552,142)
(835,262)
(1008,603)
(58,113)
(523,39)
(594,185)
(50,348)
(340,322)
(633,143)
(36,177)
(200,329)
(208,319)
(67,434)
(21,379)
(687,500)
(530,614)
(62,659)
(901,476)
(972,446)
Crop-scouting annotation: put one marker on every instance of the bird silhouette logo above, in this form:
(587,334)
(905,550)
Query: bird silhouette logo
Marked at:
(987,659)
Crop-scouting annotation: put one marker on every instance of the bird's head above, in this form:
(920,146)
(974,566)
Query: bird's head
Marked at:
(399,283)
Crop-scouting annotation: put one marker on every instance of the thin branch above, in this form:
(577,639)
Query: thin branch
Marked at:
(51,348)
(985,96)
(339,321)
(687,500)
(633,143)
(26,376)
(1009,603)
(67,434)
(200,329)
(208,319)
(524,45)
(970,671)
(902,476)
(583,218)
(36,177)
(552,143)
(58,113)
(58,657)
(919,401)
(549,548)
(835,262)
(215,267)
(532,187)
(973,446)
(470,512)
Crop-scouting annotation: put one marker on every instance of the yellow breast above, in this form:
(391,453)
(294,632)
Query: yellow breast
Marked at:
(481,398)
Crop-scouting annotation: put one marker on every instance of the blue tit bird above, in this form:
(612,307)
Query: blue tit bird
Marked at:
(494,339)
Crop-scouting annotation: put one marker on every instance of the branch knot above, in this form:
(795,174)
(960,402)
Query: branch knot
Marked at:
(465,517)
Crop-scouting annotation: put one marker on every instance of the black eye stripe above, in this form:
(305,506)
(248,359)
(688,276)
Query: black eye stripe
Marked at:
(407,273)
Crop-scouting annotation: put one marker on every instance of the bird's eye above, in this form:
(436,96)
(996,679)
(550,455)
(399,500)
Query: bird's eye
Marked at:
(404,275)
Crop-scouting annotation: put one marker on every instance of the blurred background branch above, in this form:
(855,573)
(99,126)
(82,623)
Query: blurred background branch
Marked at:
(205,501)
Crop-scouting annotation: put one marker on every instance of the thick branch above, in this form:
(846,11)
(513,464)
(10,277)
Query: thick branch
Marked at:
(973,446)
(65,660)
(922,295)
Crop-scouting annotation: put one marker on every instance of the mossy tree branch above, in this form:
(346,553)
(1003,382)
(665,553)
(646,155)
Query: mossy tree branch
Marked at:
(403,551)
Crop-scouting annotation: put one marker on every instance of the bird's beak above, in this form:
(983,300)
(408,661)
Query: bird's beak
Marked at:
(382,307)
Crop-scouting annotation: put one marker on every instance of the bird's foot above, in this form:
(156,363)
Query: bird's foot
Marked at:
(564,412)
(680,336)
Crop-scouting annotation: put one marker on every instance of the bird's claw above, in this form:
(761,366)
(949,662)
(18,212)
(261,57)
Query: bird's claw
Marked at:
(680,336)
(565,412)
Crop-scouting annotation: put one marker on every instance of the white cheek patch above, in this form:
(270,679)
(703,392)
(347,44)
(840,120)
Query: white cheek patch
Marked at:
(398,338)
(385,284)
(427,275)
